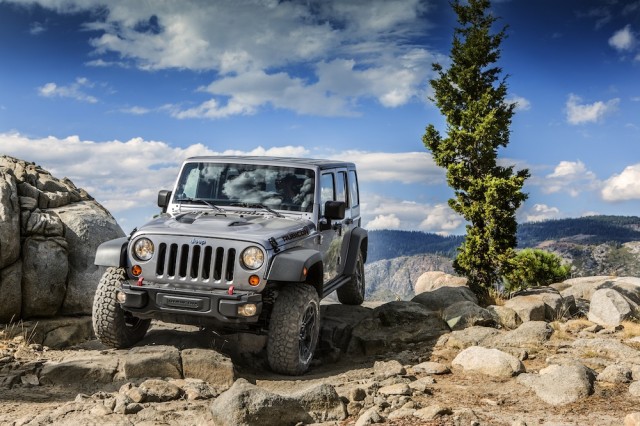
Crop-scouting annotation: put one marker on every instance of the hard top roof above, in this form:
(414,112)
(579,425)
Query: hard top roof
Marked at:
(254,159)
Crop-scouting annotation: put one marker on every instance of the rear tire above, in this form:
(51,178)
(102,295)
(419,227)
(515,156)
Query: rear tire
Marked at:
(352,293)
(294,329)
(112,325)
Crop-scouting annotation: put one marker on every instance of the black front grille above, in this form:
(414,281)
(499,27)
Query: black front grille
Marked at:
(195,262)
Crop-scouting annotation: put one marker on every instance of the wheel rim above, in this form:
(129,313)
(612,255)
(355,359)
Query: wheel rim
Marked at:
(307,336)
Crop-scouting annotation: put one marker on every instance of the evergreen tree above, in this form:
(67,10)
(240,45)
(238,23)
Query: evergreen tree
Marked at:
(471,95)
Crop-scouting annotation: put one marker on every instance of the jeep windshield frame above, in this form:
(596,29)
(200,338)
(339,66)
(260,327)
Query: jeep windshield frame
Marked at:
(283,188)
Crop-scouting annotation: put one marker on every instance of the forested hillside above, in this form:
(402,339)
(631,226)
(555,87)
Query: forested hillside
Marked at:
(591,230)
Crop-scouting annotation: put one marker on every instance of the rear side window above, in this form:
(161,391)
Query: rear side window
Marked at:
(354,195)
(341,186)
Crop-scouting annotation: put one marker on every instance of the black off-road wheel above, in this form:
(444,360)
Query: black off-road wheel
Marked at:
(352,293)
(294,328)
(112,325)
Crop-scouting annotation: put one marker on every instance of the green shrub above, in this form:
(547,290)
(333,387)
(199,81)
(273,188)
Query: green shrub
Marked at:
(534,267)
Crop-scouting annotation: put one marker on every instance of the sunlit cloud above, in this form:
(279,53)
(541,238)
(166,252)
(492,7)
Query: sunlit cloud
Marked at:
(581,113)
(75,90)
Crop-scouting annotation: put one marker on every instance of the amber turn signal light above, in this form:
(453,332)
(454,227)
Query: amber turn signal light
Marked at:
(136,270)
(254,280)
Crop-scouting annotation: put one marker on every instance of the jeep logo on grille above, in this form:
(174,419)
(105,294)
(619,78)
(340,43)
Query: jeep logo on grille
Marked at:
(198,242)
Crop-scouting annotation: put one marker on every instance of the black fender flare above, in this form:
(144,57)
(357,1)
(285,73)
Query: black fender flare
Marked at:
(359,240)
(112,253)
(294,265)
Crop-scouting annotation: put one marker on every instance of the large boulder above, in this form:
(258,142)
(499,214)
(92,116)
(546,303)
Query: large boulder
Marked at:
(609,308)
(491,362)
(560,384)
(393,324)
(49,233)
(432,280)
(441,298)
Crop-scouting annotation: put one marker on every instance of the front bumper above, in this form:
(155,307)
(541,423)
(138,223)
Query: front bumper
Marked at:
(150,302)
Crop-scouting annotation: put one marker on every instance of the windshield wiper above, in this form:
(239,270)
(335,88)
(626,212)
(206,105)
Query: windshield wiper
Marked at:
(199,200)
(258,206)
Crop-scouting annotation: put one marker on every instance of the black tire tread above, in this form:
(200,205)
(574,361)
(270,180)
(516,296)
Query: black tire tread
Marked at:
(109,322)
(284,328)
(350,294)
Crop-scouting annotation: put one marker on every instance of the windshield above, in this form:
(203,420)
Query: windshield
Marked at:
(280,188)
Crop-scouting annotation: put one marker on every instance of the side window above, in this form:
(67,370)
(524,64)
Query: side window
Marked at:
(354,195)
(341,187)
(327,192)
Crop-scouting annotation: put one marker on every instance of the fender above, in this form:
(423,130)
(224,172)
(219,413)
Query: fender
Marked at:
(291,265)
(359,240)
(112,253)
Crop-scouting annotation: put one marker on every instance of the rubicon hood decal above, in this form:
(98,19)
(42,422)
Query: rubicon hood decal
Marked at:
(296,234)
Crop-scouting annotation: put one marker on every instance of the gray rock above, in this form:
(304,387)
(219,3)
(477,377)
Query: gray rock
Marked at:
(210,366)
(11,291)
(44,224)
(385,369)
(632,419)
(615,373)
(159,391)
(472,336)
(634,388)
(322,403)
(528,308)
(609,308)
(430,367)
(607,348)
(560,384)
(432,412)
(152,361)
(529,334)
(491,362)
(369,417)
(9,219)
(504,316)
(395,323)
(432,280)
(195,389)
(44,277)
(556,306)
(466,314)
(96,369)
(440,298)
(397,389)
(86,225)
(247,404)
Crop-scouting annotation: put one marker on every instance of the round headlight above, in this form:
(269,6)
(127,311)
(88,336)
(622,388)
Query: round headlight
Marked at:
(143,249)
(252,257)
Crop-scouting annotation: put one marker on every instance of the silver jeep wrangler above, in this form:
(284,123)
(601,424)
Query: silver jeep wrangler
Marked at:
(243,244)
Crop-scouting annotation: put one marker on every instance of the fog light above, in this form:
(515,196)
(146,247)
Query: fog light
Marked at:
(254,280)
(121,297)
(247,310)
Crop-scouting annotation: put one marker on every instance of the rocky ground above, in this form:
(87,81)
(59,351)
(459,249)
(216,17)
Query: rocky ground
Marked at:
(565,372)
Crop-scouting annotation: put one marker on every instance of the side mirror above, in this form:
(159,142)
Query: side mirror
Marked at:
(334,210)
(163,199)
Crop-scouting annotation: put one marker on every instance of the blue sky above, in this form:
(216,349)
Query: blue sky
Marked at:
(115,94)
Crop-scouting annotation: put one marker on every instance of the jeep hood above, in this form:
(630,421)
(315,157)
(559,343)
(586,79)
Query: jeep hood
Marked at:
(234,226)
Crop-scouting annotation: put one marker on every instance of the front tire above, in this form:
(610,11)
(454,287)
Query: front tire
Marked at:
(112,325)
(352,293)
(293,329)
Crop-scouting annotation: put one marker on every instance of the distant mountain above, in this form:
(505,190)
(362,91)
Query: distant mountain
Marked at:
(594,245)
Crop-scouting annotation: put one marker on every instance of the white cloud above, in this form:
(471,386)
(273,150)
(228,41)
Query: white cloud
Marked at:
(391,213)
(75,90)
(522,104)
(389,221)
(342,52)
(623,186)
(37,28)
(539,213)
(136,110)
(579,113)
(623,40)
(403,167)
(572,177)
(125,176)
